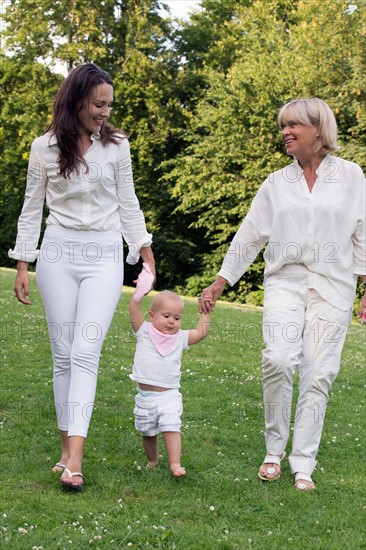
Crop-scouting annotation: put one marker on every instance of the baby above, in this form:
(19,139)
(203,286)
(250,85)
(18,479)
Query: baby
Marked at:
(156,369)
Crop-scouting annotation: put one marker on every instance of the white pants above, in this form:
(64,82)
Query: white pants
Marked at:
(300,329)
(80,278)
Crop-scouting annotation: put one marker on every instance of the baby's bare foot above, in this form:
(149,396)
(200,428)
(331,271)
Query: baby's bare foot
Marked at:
(151,464)
(178,470)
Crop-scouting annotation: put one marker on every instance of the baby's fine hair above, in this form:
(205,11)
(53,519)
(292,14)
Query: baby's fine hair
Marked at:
(164,294)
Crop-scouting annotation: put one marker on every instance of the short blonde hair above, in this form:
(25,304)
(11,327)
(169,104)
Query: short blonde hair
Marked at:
(164,295)
(312,112)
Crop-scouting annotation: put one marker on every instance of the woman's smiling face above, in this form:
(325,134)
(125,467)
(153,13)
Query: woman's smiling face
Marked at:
(299,139)
(96,109)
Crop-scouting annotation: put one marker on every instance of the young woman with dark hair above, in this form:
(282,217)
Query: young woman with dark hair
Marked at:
(66,125)
(81,167)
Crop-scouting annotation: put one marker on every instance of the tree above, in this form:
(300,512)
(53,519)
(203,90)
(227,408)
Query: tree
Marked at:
(24,114)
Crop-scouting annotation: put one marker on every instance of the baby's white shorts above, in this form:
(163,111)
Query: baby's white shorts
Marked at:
(158,411)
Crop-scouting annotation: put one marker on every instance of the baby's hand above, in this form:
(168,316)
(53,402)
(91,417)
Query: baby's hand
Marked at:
(209,300)
(144,283)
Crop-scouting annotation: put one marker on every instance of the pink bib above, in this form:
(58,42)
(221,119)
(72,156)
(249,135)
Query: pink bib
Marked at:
(163,343)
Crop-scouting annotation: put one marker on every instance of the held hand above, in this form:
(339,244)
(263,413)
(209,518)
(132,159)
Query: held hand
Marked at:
(151,269)
(148,261)
(144,282)
(210,295)
(21,287)
(206,303)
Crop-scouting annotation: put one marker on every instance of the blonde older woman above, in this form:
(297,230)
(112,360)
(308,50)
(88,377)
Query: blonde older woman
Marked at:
(311,215)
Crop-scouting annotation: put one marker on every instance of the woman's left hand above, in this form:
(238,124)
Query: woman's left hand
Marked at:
(362,309)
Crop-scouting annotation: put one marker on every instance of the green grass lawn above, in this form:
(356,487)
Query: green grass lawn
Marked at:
(221,503)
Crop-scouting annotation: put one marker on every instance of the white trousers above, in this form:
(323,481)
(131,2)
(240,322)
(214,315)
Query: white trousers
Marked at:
(300,329)
(80,278)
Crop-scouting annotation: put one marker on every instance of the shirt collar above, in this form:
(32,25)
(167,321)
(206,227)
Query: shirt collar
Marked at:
(325,161)
(53,140)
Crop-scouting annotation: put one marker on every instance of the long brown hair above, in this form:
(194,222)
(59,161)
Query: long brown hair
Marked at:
(74,90)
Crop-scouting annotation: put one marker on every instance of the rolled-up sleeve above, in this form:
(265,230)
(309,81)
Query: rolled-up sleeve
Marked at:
(132,218)
(29,223)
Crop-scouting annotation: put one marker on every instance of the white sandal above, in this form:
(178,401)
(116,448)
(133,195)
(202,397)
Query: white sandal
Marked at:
(301,476)
(271,459)
(58,465)
(72,486)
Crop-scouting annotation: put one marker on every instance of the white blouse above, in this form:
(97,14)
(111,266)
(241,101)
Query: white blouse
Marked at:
(324,230)
(101,198)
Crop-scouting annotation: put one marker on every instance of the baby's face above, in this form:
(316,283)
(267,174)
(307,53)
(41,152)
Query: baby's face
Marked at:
(167,316)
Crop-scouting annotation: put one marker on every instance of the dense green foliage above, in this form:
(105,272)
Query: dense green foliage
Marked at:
(24,111)
(199,101)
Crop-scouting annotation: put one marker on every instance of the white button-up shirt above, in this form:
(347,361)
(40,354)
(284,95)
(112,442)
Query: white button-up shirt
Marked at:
(101,198)
(324,230)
